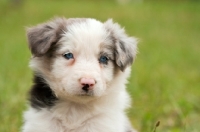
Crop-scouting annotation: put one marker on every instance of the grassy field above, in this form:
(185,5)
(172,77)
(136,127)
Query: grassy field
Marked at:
(165,81)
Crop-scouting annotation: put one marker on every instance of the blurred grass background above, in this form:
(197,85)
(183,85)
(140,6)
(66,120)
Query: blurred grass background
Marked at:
(165,81)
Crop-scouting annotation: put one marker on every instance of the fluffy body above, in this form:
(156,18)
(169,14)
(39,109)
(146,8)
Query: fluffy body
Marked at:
(58,101)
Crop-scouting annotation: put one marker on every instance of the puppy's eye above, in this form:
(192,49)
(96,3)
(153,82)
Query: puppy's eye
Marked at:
(103,59)
(68,56)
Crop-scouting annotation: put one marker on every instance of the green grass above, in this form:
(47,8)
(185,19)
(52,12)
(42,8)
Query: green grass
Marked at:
(165,81)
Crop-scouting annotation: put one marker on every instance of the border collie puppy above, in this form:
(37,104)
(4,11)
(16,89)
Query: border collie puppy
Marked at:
(80,66)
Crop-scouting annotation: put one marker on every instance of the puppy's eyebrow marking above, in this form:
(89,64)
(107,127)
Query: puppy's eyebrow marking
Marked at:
(107,49)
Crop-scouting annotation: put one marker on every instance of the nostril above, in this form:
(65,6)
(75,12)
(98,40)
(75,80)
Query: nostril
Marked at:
(87,84)
(86,87)
(87,81)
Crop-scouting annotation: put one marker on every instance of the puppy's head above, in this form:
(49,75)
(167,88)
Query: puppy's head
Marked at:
(80,58)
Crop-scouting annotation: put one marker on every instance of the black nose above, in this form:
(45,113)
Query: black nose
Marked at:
(86,87)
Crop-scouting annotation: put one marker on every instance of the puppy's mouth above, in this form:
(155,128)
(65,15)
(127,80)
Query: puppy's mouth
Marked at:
(89,94)
(86,91)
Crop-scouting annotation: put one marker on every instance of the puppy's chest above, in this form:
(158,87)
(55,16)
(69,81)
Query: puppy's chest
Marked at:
(95,123)
(83,120)
(71,119)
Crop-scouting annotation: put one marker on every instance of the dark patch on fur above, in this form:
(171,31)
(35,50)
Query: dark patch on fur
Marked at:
(122,46)
(48,27)
(51,53)
(124,56)
(41,95)
(123,53)
(42,37)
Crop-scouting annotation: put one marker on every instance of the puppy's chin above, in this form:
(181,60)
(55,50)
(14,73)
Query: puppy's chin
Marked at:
(80,98)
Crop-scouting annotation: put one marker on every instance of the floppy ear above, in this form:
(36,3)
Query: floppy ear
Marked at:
(125,47)
(43,36)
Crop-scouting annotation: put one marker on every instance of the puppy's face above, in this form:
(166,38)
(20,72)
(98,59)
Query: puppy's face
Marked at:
(80,58)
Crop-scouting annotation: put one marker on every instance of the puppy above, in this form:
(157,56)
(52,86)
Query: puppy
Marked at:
(80,69)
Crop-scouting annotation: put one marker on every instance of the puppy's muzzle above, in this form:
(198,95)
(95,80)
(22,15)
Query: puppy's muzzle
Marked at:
(87,83)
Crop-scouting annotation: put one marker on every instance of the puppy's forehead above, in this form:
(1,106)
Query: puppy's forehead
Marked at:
(85,35)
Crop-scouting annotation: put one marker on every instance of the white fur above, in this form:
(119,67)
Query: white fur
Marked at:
(102,112)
